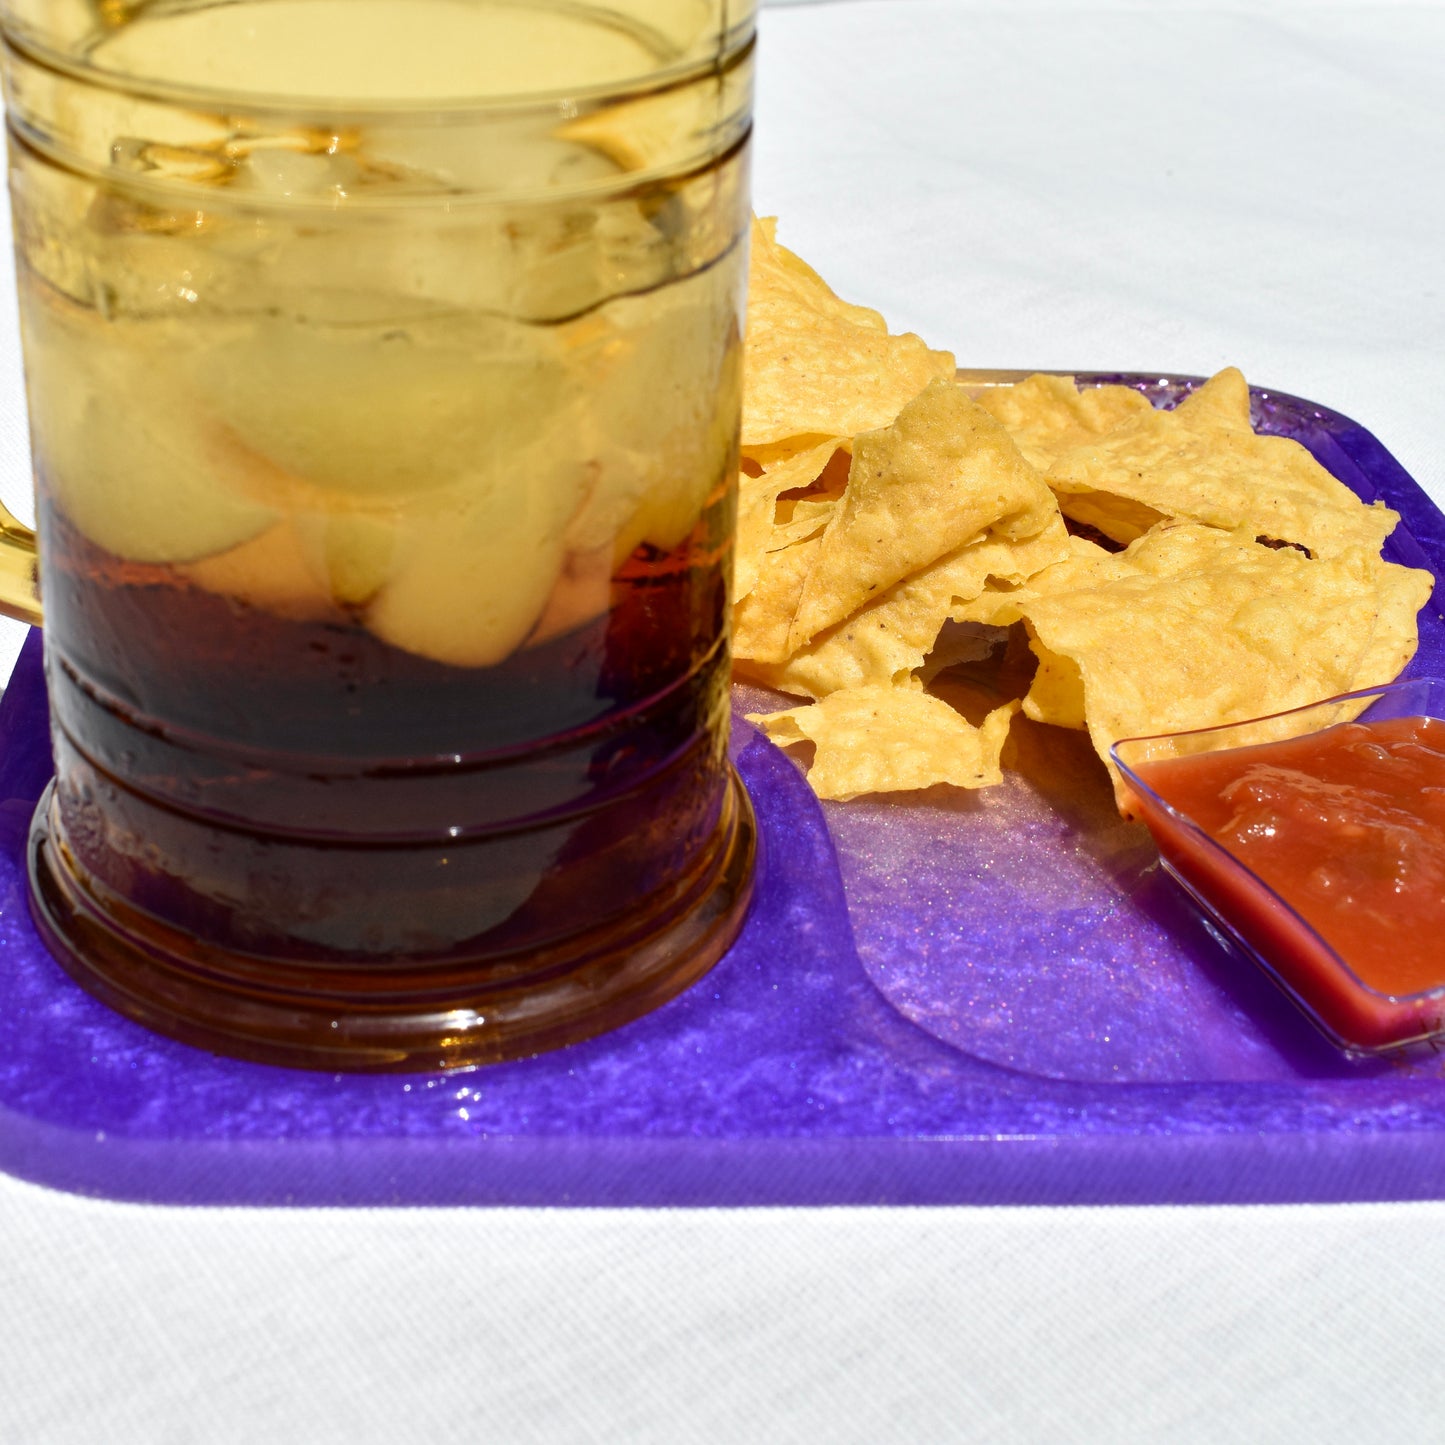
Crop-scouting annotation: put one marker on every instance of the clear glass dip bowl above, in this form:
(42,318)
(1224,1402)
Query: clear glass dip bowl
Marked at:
(1237,903)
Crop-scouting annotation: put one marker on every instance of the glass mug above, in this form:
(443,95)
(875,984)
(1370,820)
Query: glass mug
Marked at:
(383,365)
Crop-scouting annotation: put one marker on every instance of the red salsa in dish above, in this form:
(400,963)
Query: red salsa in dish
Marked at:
(1347,826)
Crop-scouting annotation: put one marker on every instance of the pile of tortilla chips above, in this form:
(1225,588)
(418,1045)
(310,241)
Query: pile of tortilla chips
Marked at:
(1171,569)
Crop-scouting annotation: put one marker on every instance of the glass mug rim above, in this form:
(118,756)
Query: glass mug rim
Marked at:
(563,103)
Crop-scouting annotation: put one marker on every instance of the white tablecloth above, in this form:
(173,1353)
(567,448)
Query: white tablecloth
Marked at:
(1130,184)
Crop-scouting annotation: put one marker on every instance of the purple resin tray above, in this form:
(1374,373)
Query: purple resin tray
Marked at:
(994,997)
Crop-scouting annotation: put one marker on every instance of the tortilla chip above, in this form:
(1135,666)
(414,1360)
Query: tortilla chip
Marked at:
(1084,564)
(883,739)
(1201,462)
(1057,693)
(1222,401)
(762,619)
(1118,518)
(775,258)
(889,638)
(943,474)
(1192,626)
(757,500)
(1048,415)
(806,518)
(892,529)
(815,364)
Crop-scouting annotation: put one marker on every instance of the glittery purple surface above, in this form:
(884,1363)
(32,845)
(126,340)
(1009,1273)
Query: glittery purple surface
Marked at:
(995,997)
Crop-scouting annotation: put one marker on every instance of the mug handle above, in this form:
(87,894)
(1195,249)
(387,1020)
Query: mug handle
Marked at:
(19,587)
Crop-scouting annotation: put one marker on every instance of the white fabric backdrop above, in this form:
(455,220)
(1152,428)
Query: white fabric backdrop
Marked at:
(1180,185)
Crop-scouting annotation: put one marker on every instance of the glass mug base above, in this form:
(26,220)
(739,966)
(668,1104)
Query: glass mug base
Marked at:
(484,1009)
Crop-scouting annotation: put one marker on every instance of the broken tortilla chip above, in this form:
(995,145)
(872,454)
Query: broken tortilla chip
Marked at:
(890,637)
(762,619)
(1192,626)
(884,739)
(1047,415)
(1202,462)
(757,501)
(815,364)
(940,477)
